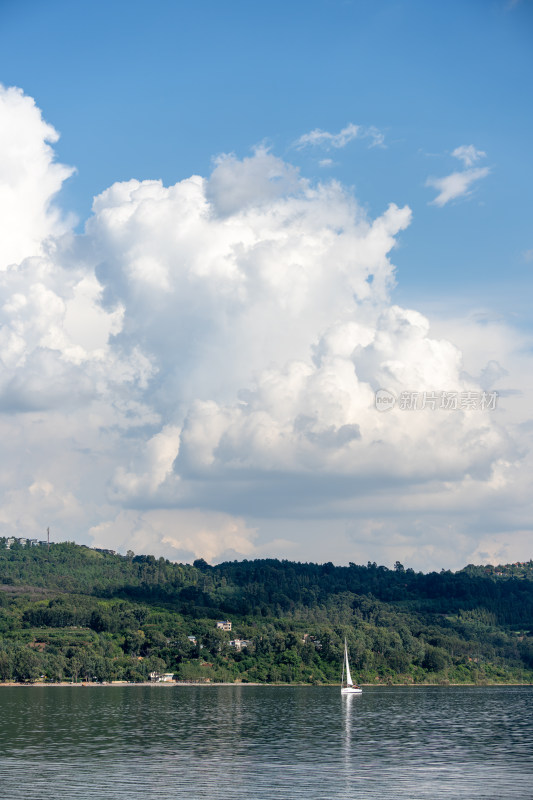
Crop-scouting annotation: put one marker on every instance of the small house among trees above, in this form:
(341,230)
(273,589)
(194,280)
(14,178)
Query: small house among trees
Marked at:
(162,677)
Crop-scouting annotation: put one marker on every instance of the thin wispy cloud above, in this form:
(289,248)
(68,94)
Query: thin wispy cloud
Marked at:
(468,154)
(327,140)
(378,139)
(459,184)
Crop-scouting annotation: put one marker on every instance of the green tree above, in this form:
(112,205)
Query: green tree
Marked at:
(6,666)
(26,665)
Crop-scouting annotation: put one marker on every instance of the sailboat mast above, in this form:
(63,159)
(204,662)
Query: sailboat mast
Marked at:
(348,673)
(349,687)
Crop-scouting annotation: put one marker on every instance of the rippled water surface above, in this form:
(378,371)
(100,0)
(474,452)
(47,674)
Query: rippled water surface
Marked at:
(114,743)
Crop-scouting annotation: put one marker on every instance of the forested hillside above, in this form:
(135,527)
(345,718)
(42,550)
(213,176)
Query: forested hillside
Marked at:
(72,613)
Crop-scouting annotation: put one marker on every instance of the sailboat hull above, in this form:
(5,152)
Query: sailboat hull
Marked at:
(351,690)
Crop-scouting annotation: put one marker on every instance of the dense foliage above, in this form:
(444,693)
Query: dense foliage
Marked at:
(72,613)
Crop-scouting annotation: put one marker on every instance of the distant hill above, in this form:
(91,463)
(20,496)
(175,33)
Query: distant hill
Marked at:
(69,612)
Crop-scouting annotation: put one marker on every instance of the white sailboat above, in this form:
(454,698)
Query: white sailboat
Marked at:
(348,686)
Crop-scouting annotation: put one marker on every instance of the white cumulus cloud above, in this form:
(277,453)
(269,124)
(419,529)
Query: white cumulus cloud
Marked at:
(180,535)
(29,178)
(195,374)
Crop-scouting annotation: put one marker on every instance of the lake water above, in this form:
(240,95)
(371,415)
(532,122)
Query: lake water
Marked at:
(118,743)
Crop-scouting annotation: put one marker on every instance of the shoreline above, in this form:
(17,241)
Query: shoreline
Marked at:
(183,684)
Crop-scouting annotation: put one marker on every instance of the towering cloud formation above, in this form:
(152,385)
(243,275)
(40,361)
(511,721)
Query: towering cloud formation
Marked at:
(29,178)
(206,356)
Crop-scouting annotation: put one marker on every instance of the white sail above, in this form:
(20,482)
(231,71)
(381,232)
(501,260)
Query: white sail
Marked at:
(351,687)
(348,673)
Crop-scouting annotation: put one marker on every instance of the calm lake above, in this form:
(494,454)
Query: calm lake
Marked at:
(114,743)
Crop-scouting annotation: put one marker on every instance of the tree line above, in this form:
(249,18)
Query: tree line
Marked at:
(69,612)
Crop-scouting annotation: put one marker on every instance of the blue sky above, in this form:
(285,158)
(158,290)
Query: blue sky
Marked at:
(157,89)
(432,92)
